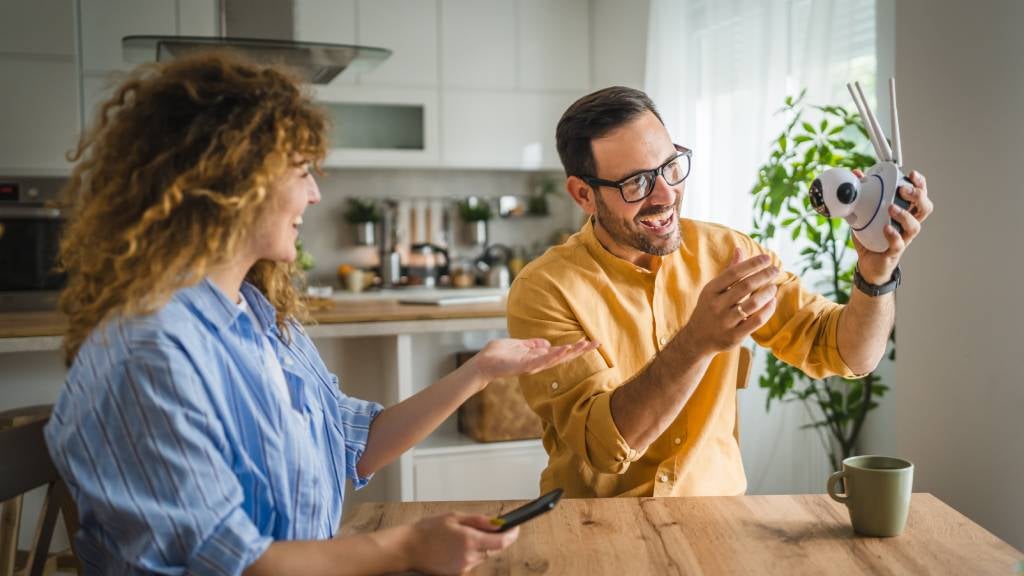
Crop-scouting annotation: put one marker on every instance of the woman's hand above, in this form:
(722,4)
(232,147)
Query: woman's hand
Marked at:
(511,357)
(454,543)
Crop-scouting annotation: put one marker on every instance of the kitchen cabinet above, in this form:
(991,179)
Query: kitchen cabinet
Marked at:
(39,108)
(409,29)
(553,44)
(478,44)
(43,27)
(380,127)
(508,130)
(619,41)
(39,117)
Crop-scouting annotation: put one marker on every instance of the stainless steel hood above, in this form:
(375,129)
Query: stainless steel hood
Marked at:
(263,30)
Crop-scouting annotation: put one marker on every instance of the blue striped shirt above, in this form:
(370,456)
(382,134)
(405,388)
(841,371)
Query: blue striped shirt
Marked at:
(180,453)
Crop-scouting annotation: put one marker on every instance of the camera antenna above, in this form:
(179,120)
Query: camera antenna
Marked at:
(867,123)
(897,153)
(882,142)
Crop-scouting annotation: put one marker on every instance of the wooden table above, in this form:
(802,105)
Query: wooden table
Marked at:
(808,534)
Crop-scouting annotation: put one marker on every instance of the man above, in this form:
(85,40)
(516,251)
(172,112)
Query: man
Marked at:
(670,300)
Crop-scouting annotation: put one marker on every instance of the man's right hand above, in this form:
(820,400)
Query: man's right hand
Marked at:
(733,305)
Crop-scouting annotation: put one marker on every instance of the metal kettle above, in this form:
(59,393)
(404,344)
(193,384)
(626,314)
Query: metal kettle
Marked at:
(494,262)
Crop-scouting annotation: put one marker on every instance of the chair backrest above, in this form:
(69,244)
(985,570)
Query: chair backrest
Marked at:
(742,377)
(25,465)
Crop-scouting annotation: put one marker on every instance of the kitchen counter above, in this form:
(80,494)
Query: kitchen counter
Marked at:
(342,317)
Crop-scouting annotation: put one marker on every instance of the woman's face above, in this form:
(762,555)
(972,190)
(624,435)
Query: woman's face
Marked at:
(278,227)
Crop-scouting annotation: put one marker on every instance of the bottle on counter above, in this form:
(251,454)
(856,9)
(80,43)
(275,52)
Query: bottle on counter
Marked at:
(518,260)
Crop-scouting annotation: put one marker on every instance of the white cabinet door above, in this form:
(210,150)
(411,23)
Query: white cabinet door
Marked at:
(398,126)
(37,27)
(105,22)
(620,42)
(39,117)
(554,44)
(492,473)
(198,18)
(501,129)
(409,29)
(478,44)
(331,21)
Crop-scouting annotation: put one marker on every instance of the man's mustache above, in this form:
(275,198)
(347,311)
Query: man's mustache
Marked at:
(659,209)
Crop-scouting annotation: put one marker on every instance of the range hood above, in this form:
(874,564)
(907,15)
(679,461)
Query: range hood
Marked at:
(263,30)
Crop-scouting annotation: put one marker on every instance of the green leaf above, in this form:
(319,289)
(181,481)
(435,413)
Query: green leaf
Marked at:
(808,128)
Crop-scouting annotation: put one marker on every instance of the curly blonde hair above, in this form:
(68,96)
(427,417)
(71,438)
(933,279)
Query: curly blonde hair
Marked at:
(174,171)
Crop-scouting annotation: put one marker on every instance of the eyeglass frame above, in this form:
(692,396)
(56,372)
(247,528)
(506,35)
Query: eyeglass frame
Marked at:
(593,181)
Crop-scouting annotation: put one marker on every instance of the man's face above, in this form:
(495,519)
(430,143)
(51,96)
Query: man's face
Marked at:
(647,227)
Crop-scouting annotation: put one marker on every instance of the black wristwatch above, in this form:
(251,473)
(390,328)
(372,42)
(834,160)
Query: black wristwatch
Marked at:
(876,289)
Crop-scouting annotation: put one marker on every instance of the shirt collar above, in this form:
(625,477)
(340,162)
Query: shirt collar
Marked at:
(213,305)
(589,238)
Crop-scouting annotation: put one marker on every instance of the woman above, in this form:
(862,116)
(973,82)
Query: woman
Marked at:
(199,431)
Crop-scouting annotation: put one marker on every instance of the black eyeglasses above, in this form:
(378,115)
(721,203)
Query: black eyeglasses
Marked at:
(638,186)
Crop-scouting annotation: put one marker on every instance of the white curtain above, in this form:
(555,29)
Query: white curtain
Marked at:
(718,70)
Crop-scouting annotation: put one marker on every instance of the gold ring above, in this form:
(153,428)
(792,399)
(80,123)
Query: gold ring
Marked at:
(739,306)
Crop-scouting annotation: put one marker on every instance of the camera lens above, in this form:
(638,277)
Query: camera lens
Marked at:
(818,198)
(846,193)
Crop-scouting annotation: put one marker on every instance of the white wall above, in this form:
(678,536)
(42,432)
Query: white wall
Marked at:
(958,399)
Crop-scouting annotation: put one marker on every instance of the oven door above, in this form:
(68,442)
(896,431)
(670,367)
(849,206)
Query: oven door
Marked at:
(29,243)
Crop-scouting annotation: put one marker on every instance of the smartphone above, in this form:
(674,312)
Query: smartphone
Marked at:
(527,511)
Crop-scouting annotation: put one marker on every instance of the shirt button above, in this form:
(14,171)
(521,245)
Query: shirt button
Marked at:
(677,441)
(554,385)
(288,361)
(663,478)
(662,340)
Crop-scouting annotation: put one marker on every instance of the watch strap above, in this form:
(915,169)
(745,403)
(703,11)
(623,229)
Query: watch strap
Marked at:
(877,289)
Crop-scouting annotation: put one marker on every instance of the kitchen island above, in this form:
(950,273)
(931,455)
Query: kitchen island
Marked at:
(381,350)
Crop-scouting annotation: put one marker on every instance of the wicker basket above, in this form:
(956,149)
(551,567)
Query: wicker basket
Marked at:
(498,412)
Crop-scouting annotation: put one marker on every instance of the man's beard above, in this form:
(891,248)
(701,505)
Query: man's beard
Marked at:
(631,234)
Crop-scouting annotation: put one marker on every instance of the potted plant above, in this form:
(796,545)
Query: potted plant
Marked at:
(303,259)
(537,204)
(816,138)
(475,213)
(363,215)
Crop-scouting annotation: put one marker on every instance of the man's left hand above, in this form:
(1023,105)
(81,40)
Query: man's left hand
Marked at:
(877,267)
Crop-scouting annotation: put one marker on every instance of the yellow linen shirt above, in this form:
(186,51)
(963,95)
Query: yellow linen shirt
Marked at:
(580,290)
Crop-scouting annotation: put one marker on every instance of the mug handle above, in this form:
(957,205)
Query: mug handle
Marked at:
(832,481)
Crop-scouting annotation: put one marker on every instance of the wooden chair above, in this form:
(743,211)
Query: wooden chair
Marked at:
(742,377)
(25,465)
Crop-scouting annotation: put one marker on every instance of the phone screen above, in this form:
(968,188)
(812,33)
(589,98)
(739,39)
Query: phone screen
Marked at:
(527,511)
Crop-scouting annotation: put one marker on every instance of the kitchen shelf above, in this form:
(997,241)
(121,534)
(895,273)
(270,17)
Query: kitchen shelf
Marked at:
(447,440)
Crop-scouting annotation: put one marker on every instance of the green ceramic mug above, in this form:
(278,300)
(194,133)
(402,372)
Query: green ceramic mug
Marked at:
(877,493)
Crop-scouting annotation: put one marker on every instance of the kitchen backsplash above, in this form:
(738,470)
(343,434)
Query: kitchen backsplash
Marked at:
(423,196)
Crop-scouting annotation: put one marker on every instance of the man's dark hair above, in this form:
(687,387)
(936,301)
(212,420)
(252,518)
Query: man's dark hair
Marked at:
(594,116)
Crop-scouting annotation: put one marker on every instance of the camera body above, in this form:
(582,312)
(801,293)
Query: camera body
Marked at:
(864,203)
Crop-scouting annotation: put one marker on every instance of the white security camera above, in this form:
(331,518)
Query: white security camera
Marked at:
(864,203)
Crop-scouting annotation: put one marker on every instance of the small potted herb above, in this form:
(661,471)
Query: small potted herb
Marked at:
(537,204)
(363,215)
(475,213)
(303,259)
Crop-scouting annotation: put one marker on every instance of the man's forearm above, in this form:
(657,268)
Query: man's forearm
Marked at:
(646,405)
(864,327)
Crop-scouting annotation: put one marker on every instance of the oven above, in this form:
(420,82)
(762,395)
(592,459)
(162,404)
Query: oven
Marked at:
(30,231)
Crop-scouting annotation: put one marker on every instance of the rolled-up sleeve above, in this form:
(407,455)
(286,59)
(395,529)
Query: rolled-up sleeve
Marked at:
(574,398)
(355,417)
(804,331)
(148,466)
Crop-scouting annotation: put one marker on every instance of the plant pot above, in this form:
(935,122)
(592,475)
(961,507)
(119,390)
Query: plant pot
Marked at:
(366,233)
(476,233)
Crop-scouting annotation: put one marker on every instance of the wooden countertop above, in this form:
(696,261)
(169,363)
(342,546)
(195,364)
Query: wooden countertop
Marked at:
(806,534)
(324,312)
